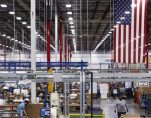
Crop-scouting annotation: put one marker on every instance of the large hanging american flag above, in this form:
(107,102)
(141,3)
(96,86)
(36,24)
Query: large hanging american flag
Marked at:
(130,31)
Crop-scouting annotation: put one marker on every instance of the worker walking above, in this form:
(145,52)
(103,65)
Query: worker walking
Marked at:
(21,108)
(121,107)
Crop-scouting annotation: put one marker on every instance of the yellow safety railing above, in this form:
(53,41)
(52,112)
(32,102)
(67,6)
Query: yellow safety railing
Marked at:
(87,115)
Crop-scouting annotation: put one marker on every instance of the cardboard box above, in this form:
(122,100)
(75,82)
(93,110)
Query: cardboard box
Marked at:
(33,110)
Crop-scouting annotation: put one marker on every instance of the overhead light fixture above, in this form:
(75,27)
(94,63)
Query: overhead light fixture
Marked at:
(70,18)
(127,12)
(3,5)
(24,23)
(108,35)
(110,32)
(72,26)
(112,29)
(68,5)
(115,26)
(71,23)
(12,12)
(3,35)
(39,35)
(28,27)
(69,13)
(12,39)
(73,33)
(18,18)
(8,37)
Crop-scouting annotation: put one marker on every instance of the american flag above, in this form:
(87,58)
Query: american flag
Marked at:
(130,31)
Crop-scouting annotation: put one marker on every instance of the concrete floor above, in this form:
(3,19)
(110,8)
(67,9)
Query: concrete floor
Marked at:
(108,107)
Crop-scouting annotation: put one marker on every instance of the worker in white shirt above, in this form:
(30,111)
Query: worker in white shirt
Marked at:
(121,107)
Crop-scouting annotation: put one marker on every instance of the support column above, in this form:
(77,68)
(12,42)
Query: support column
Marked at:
(33,47)
(33,92)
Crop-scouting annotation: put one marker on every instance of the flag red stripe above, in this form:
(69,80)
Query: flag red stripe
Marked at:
(114,44)
(129,49)
(119,45)
(140,20)
(135,16)
(124,51)
(145,33)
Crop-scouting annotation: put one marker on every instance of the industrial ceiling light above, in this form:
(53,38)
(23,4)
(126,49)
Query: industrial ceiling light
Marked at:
(72,26)
(28,27)
(3,5)
(70,18)
(24,23)
(12,12)
(18,18)
(3,35)
(71,23)
(127,12)
(69,13)
(68,5)
(8,37)
(110,32)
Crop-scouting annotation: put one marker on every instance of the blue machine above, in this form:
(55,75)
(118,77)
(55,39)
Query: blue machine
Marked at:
(45,112)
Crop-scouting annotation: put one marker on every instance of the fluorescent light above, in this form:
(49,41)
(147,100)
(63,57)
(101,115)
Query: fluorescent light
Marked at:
(122,18)
(127,12)
(8,37)
(72,26)
(73,33)
(3,35)
(110,32)
(70,18)
(28,27)
(12,39)
(108,35)
(24,23)
(71,23)
(12,12)
(69,12)
(39,35)
(16,40)
(112,29)
(68,5)
(72,30)
(3,5)
(18,18)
